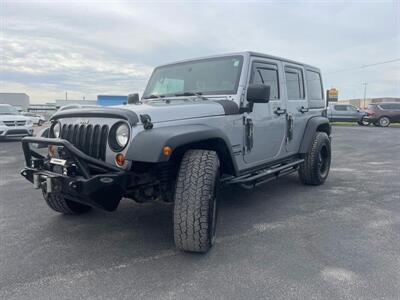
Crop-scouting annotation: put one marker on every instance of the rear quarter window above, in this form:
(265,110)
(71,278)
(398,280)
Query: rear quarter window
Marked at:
(314,85)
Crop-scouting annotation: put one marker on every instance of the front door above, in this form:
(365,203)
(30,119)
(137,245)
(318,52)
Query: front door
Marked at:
(265,125)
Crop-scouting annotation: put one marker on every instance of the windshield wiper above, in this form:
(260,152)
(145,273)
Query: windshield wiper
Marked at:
(189,94)
(152,96)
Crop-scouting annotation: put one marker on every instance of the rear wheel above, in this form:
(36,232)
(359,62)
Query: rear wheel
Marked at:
(58,203)
(315,168)
(384,121)
(195,210)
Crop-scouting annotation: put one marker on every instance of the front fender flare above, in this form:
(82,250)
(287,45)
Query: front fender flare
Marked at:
(147,145)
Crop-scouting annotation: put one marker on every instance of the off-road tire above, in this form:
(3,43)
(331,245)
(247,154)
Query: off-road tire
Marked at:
(40,123)
(58,203)
(315,168)
(196,194)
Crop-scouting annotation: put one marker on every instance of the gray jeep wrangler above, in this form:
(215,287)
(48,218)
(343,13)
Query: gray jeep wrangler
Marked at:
(242,119)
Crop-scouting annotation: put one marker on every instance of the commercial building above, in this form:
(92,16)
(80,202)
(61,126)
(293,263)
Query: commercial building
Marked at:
(361,103)
(19,100)
(61,103)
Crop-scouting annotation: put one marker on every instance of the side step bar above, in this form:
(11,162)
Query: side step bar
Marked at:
(254,179)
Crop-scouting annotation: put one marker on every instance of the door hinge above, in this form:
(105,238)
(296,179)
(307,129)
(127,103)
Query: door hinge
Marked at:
(249,128)
(289,122)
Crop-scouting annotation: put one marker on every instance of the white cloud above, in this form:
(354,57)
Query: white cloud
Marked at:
(95,47)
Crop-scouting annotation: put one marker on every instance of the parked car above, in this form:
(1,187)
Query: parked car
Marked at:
(237,119)
(12,123)
(36,119)
(383,114)
(346,113)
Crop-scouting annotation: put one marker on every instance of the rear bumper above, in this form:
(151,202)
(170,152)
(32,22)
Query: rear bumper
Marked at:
(82,179)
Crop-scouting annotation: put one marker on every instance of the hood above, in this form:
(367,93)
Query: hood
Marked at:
(159,110)
(13,118)
(176,109)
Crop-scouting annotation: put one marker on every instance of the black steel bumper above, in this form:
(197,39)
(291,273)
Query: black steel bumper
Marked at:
(94,183)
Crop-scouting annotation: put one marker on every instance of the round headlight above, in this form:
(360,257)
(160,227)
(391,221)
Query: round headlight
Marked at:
(122,135)
(56,130)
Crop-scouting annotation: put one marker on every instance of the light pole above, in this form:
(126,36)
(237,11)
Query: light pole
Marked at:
(365,92)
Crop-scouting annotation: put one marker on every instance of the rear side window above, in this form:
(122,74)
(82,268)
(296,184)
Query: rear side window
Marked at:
(390,106)
(341,107)
(266,74)
(294,83)
(314,85)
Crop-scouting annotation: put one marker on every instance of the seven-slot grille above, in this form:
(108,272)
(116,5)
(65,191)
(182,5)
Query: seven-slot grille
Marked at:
(90,139)
(14,123)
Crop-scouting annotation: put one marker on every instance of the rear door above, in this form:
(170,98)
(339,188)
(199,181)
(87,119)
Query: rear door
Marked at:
(297,106)
(340,112)
(396,113)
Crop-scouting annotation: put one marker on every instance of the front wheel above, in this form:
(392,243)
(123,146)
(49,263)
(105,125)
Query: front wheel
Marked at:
(315,168)
(195,208)
(363,122)
(384,121)
(57,202)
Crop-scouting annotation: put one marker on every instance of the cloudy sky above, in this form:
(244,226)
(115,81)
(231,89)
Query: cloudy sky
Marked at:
(110,47)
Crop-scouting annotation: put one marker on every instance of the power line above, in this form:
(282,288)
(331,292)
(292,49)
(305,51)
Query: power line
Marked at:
(365,66)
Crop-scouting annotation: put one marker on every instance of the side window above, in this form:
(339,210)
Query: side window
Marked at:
(294,83)
(396,106)
(314,85)
(266,74)
(351,108)
(385,106)
(341,107)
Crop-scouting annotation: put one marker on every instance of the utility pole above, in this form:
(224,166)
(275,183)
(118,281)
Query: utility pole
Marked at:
(66,95)
(365,92)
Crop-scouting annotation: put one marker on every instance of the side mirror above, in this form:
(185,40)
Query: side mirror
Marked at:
(258,93)
(133,98)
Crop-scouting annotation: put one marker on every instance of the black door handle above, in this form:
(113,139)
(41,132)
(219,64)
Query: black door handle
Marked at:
(303,109)
(279,111)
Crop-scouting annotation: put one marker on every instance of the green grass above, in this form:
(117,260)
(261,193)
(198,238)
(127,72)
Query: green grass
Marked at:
(397,125)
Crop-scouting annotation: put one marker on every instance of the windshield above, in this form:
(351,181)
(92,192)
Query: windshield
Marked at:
(215,76)
(8,110)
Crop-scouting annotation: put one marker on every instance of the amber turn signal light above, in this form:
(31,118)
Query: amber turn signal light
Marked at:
(167,150)
(120,159)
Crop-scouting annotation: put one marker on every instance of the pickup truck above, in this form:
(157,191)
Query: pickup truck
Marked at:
(346,113)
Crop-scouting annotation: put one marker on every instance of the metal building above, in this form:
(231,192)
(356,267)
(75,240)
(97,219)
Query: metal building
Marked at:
(19,100)
(61,103)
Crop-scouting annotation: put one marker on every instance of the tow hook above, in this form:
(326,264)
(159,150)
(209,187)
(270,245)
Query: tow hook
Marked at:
(39,179)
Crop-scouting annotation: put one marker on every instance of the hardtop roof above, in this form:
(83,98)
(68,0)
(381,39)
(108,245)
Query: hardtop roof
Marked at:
(245,53)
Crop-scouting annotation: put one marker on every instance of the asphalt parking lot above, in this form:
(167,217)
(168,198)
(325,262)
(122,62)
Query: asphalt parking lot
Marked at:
(281,240)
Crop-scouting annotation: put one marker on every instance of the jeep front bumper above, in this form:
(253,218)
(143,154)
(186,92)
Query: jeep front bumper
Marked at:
(82,179)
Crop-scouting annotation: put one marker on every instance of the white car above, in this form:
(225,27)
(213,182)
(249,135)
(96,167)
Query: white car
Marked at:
(36,119)
(12,123)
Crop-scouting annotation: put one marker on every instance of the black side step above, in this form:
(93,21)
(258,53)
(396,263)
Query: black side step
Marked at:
(254,179)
